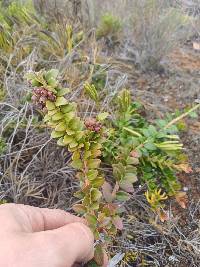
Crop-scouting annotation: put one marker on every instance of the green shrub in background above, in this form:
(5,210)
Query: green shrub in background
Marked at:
(110,26)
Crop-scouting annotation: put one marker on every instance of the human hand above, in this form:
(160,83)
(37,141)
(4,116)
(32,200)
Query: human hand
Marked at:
(34,237)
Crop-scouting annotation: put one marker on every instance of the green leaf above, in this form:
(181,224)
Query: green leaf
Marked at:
(60,142)
(52,112)
(93,163)
(56,134)
(70,132)
(118,170)
(76,124)
(76,155)
(57,116)
(61,101)
(102,116)
(50,105)
(95,194)
(81,145)
(77,164)
(152,130)
(47,118)
(95,206)
(34,82)
(63,91)
(131,169)
(130,177)
(122,196)
(161,123)
(92,174)
(98,182)
(79,135)
(91,219)
(69,116)
(73,144)
(150,146)
(87,154)
(132,160)
(53,73)
(95,146)
(87,145)
(52,82)
(61,127)
(68,139)
(67,108)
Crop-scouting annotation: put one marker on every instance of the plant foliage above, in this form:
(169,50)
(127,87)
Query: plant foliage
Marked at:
(135,150)
(110,26)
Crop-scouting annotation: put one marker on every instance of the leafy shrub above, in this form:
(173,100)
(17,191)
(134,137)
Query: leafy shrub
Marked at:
(134,149)
(156,30)
(110,27)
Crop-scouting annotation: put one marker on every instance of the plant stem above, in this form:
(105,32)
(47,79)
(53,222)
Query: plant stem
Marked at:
(182,116)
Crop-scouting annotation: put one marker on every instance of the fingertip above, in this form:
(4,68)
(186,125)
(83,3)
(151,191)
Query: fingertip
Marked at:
(86,234)
(78,241)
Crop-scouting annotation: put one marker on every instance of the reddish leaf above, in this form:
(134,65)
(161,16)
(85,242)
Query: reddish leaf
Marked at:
(184,167)
(117,221)
(182,199)
(110,209)
(107,192)
(164,216)
(103,220)
(115,190)
(127,186)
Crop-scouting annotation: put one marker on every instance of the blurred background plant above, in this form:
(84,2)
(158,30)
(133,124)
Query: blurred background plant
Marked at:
(110,28)
(157,28)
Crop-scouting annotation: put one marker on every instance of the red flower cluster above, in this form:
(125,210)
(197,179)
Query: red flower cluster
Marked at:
(41,95)
(93,125)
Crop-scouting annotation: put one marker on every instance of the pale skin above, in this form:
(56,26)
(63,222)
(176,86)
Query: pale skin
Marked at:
(32,237)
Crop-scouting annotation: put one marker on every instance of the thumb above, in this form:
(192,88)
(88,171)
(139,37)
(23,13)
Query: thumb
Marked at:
(72,243)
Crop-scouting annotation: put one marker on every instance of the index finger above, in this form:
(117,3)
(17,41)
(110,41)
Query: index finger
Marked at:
(32,219)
